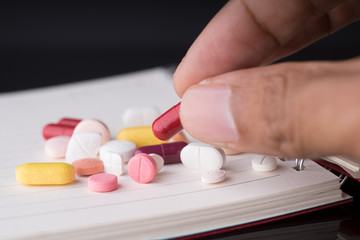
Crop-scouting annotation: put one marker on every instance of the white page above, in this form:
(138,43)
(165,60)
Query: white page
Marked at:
(28,211)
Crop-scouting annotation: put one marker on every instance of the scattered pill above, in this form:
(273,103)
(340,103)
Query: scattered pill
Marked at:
(102,182)
(141,136)
(88,166)
(94,125)
(69,121)
(55,147)
(168,124)
(201,156)
(83,145)
(53,130)
(159,161)
(136,117)
(179,137)
(264,163)
(170,152)
(142,168)
(48,173)
(116,169)
(214,176)
(116,151)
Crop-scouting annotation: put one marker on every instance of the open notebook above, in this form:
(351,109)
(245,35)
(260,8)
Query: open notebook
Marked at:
(175,203)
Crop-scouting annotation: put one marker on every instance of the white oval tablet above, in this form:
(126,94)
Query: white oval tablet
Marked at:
(214,176)
(158,159)
(201,156)
(83,145)
(116,151)
(264,163)
(55,147)
(94,125)
(137,117)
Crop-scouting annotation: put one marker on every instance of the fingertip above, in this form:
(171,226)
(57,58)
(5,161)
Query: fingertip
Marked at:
(205,113)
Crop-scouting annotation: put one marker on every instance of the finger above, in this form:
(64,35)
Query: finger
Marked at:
(336,19)
(246,33)
(291,109)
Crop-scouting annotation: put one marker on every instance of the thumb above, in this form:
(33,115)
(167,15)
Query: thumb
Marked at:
(290,109)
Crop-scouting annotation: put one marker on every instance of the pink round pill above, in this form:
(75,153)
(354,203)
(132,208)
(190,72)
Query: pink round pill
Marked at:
(102,182)
(88,166)
(142,168)
(94,125)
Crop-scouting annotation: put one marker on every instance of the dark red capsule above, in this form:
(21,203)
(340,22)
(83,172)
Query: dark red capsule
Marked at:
(168,124)
(69,121)
(53,130)
(170,152)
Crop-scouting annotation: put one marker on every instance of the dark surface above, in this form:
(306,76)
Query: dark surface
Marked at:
(46,43)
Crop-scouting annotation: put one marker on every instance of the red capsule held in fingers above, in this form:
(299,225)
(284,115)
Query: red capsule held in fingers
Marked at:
(168,124)
(69,121)
(53,130)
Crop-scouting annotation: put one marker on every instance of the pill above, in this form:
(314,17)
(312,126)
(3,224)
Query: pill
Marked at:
(69,121)
(55,147)
(49,173)
(136,117)
(170,152)
(179,137)
(201,156)
(117,151)
(168,124)
(88,166)
(83,145)
(213,176)
(53,130)
(264,163)
(102,182)
(141,136)
(116,169)
(142,168)
(159,161)
(94,125)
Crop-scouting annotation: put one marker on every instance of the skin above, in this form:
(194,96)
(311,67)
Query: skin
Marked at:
(307,109)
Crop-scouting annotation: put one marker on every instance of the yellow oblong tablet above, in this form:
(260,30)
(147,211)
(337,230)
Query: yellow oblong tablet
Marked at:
(141,136)
(47,173)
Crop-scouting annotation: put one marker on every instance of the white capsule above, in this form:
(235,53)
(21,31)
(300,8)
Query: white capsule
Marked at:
(117,151)
(158,159)
(262,163)
(114,169)
(136,117)
(83,145)
(201,156)
(214,176)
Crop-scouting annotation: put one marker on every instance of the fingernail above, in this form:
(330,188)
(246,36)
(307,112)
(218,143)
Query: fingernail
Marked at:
(205,113)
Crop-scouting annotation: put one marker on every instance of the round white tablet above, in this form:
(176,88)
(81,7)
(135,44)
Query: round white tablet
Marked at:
(214,176)
(55,147)
(264,163)
(158,159)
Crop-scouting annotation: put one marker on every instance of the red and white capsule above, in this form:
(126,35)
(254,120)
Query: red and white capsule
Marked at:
(53,130)
(168,124)
(69,121)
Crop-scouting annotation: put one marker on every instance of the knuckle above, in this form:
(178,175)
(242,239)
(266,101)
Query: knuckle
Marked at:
(280,109)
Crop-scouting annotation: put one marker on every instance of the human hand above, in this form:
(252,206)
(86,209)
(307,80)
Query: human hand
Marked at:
(232,100)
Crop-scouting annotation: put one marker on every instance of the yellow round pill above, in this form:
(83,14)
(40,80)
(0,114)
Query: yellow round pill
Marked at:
(45,173)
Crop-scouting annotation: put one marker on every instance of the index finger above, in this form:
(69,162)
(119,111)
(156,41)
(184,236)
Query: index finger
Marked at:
(245,34)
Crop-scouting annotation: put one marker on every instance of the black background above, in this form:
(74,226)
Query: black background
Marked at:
(47,42)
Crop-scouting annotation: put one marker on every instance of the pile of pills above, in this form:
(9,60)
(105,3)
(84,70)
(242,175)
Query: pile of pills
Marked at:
(142,147)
